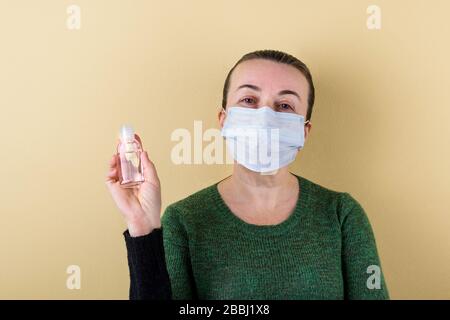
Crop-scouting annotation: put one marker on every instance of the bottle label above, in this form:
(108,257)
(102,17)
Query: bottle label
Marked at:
(131,154)
(129,147)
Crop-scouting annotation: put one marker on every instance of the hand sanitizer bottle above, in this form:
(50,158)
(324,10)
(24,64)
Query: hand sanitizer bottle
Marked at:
(129,150)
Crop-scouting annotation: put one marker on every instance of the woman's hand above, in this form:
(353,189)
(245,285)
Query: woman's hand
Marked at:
(141,206)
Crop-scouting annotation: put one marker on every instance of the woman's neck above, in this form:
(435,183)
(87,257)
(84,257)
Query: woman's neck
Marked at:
(247,185)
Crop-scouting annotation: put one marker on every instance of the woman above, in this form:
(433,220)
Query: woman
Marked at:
(263,232)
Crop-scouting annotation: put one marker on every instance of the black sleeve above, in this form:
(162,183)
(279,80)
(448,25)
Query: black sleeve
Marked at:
(149,279)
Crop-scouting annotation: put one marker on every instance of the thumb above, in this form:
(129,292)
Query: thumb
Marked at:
(150,174)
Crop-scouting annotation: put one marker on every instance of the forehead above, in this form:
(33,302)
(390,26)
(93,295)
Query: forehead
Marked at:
(268,74)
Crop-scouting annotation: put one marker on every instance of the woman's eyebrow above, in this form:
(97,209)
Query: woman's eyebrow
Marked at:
(251,86)
(282,92)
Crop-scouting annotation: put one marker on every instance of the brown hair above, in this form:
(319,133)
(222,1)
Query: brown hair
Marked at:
(277,56)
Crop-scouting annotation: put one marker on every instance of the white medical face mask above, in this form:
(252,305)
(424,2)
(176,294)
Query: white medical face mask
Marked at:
(262,139)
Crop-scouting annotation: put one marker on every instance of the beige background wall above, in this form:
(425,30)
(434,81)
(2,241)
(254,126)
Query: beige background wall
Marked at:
(380,126)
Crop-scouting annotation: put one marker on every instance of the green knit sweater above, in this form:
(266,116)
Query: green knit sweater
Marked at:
(324,250)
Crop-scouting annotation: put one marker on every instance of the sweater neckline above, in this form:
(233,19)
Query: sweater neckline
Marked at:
(275,229)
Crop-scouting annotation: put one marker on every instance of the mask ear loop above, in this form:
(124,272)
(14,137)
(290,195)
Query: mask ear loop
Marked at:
(307,121)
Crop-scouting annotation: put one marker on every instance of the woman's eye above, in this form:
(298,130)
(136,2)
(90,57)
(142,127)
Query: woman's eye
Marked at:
(285,107)
(248,100)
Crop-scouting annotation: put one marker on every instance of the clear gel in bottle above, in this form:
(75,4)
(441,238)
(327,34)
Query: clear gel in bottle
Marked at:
(129,149)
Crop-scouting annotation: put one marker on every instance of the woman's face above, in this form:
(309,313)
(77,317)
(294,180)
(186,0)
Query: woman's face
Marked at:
(258,82)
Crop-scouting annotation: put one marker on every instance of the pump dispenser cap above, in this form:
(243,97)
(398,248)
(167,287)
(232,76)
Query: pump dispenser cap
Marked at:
(127,133)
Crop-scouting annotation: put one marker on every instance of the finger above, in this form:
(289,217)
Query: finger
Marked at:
(112,175)
(111,181)
(113,185)
(136,136)
(113,161)
(150,173)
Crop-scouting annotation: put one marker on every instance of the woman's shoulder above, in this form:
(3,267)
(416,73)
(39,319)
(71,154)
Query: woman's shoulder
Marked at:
(320,196)
(316,191)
